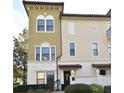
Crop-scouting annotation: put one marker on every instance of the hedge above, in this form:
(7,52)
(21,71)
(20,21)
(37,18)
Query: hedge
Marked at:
(95,88)
(26,88)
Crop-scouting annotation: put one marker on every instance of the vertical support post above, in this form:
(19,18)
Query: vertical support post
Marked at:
(57,72)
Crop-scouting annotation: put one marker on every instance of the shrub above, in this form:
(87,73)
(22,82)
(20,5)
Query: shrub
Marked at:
(107,89)
(26,88)
(95,88)
(78,88)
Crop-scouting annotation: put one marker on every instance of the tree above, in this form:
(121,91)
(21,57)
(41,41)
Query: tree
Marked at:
(20,56)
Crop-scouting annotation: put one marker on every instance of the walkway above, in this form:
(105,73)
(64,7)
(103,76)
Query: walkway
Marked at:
(59,92)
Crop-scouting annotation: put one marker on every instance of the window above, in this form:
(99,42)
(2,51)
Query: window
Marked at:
(72,49)
(49,25)
(40,25)
(50,77)
(102,72)
(52,53)
(109,50)
(95,49)
(71,28)
(37,53)
(40,78)
(45,54)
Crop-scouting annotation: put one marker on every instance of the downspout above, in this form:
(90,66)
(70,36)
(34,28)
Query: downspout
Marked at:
(60,54)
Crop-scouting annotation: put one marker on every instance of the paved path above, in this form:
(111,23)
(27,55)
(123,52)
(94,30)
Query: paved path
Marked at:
(59,92)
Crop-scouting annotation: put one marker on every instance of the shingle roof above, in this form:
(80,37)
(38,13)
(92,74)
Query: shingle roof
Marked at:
(70,66)
(43,3)
(85,15)
(101,65)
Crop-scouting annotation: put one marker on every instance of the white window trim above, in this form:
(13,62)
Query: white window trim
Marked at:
(50,17)
(40,17)
(46,18)
(45,75)
(69,49)
(35,53)
(49,53)
(97,47)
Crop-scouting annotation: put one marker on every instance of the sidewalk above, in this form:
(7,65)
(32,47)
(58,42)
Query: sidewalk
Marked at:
(59,92)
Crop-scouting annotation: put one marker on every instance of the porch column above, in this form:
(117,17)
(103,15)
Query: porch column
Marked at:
(72,77)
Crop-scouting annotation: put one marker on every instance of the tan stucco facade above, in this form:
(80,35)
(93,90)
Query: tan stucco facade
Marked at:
(36,38)
(88,30)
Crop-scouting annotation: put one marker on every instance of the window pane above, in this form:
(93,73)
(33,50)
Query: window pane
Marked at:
(50,77)
(41,78)
(40,25)
(40,75)
(95,49)
(72,49)
(53,53)
(95,52)
(45,54)
(94,46)
(38,53)
(49,25)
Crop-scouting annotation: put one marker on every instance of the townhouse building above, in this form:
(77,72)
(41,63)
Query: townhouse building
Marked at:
(71,48)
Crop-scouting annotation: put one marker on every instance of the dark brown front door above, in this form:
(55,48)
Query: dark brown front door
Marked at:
(66,78)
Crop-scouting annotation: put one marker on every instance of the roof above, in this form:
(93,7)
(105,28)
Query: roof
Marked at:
(85,15)
(109,12)
(43,3)
(70,66)
(101,65)
(64,14)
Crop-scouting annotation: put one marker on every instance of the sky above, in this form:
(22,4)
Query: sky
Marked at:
(70,6)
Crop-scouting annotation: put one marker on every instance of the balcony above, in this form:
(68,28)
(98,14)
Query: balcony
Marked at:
(109,33)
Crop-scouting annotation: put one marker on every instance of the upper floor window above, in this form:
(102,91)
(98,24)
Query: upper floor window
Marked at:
(40,23)
(52,53)
(95,49)
(45,54)
(72,49)
(71,28)
(45,24)
(49,25)
(38,53)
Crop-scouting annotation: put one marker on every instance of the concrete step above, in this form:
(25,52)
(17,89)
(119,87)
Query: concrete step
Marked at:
(58,92)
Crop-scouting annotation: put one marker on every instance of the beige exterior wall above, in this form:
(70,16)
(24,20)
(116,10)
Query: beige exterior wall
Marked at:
(87,31)
(36,38)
